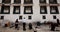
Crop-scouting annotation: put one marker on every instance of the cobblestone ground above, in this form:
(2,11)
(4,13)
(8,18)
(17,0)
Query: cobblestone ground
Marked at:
(41,29)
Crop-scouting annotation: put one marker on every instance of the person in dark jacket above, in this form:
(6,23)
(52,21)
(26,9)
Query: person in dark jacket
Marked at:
(38,23)
(24,26)
(58,22)
(30,26)
(16,24)
(53,26)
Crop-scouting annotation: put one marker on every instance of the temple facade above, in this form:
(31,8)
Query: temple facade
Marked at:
(31,10)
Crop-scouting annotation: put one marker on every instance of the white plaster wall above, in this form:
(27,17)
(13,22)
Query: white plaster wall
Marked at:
(36,16)
(0,1)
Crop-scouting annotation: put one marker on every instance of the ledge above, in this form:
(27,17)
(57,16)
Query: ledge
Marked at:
(27,4)
(54,4)
(16,4)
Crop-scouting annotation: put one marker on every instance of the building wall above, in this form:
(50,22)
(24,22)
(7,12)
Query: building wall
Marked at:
(36,16)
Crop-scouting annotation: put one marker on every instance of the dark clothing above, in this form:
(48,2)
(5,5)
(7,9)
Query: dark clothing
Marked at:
(24,26)
(53,26)
(38,23)
(16,24)
(35,31)
(57,21)
(30,26)
(6,25)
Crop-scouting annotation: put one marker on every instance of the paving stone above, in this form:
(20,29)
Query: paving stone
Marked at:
(41,29)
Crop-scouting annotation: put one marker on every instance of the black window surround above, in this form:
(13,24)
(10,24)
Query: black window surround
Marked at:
(42,1)
(16,10)
(28,1)
(6,1)
(20,17)
(54,10)
(54,17)
(29,17)
(28,10)
(5,9)
(17,1)
(43,10)
(1,17)
(44,17)
(53,1)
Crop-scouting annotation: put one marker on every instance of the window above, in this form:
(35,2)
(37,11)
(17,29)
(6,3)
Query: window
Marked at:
(5,10)
(1,17)
(17,1)
(6,1)
(20,17)
(43,10)
(28,1)
(29,17)
(16,10)
(53,1)
(44,17)
(28,10)
(42,1)
(54,17)
(54,10)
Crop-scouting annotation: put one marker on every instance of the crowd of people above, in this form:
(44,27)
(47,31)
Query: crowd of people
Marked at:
(24,25)
(52,25)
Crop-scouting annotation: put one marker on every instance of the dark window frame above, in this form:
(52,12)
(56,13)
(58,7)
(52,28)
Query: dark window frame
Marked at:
(54,2)
(28,2)
(14,10)
(54,17)
(2,17)
(30,17)
(2,9)
(3,1)
(25,8)
(56,9)
(19,1)
(20,17)
(43,1)
(45,9)
(44,17)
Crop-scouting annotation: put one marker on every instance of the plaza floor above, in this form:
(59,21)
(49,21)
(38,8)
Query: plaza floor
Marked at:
(43,28)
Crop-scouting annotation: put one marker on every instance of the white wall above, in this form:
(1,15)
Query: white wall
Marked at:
(36,16)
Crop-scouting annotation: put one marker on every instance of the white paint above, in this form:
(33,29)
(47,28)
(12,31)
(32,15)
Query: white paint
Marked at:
(36,16)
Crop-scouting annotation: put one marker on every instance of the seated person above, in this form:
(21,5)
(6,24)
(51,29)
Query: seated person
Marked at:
(30,26)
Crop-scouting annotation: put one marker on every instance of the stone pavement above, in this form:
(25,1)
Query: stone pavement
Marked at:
(41,29)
